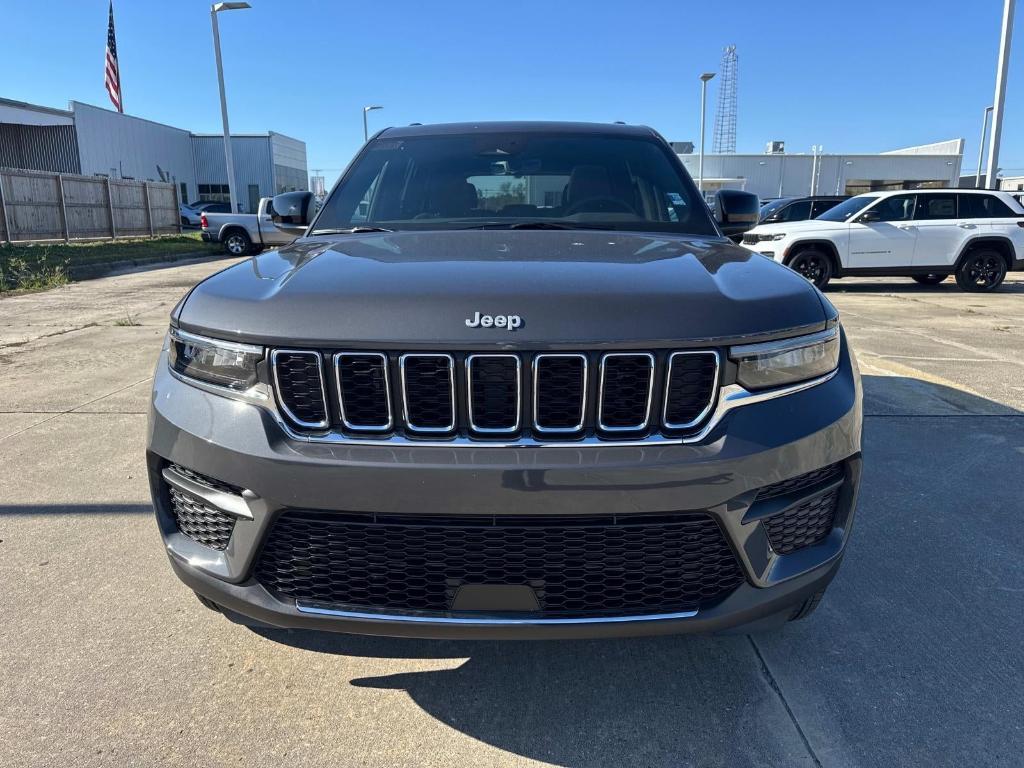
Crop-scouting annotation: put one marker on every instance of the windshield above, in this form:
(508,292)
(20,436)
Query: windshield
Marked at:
(848,208)
(495,180)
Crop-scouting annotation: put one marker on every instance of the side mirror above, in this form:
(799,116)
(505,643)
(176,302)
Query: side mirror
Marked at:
(736,211)
(869,216)
(293,211)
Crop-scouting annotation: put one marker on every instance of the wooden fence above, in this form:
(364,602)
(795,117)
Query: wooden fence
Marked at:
(36,205)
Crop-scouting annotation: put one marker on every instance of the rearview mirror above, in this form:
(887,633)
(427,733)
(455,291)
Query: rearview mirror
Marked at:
(870,216)
(736,211)
(293,211)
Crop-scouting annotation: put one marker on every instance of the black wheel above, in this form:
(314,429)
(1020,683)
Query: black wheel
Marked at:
(981,271)
(808,607)
(929,279)
(184,221)
(814,265)
(237,243)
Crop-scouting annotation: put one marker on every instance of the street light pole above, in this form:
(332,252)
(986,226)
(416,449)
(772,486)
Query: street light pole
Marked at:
(366,130)
(981,147)
(842,174)
(815,160)
(1000,99)
(703,107)
(228,159)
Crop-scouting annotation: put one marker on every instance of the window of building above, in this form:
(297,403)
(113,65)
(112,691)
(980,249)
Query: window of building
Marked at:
(214,193)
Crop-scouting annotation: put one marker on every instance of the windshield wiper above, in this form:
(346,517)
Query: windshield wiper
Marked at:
(349,231)
(537,225)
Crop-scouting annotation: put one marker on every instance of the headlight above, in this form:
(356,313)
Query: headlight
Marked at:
(775,236)
(224,363)
(778,363)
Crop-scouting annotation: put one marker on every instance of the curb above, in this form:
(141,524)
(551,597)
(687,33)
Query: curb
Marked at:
(91,271)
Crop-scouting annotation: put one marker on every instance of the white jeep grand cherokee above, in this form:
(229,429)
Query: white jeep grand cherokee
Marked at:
(928,235)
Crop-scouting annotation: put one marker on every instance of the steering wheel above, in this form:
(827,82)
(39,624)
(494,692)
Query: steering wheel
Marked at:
(599,205)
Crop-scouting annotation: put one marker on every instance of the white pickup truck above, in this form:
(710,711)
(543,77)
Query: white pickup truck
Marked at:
(243,233)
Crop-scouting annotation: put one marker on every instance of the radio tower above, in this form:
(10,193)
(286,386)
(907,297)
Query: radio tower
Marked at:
(725,116)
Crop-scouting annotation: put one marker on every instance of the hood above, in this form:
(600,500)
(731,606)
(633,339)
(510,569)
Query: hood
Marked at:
(810,225)
(418,289)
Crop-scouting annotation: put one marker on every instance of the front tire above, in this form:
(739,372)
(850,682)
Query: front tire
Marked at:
(814,265)
(929,279)
(982,270)
(237,243)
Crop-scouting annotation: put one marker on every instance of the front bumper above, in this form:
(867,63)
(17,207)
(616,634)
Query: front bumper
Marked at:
(753,447)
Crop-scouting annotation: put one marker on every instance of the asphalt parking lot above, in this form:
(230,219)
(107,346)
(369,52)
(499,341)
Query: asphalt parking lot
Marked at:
(915,658)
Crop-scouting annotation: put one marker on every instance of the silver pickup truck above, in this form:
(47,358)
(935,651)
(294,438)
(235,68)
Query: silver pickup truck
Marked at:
(243,233)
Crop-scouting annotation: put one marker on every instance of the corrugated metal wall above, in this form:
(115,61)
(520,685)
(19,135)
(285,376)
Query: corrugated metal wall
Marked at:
(39,148)
(129,147)
(290,173)
(253,165)
(766,174)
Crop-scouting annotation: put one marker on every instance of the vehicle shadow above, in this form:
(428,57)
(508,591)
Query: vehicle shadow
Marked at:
(906,285)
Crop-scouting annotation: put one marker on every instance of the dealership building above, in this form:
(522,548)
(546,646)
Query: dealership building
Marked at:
(777,173)
(91,141)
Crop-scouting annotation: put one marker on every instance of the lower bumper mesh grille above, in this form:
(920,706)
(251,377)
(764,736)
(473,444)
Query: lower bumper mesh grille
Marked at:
(804,525)
(200,522)
(576,567)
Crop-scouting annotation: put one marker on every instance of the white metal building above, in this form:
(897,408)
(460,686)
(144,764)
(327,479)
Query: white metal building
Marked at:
(94,141)
(782,174)
(266,164)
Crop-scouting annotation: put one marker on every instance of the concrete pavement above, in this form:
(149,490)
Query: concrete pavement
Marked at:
(913,659)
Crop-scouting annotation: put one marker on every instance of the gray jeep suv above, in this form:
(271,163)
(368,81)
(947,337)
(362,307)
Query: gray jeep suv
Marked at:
(510,381)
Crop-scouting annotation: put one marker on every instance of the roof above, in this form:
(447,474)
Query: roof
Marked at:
(539,126)
(929,190)
(23,113)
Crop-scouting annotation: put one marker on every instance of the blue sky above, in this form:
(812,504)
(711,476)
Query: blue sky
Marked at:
(855,77)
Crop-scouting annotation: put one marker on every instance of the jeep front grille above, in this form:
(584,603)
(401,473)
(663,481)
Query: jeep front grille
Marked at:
(497,396)
(588,566)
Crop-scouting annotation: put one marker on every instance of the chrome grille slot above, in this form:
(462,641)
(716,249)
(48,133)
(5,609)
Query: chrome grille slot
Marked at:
(428,392)
(690,388)
(494,385)
(299,383)
(559,392)
(626,389)
(363,392)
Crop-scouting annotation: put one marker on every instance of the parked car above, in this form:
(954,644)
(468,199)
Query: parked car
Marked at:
(189,215)
(927,235)
(531,391)
(242,233)
(797,208)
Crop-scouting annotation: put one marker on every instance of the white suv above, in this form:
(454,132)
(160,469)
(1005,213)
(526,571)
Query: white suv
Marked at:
(924,234)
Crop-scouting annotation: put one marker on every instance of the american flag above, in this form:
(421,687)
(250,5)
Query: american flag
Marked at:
(112,77)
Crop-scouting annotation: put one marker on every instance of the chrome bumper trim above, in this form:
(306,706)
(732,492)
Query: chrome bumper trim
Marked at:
(484,621)
(225,502)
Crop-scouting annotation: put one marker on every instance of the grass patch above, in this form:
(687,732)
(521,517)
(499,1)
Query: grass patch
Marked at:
(31,272)
(128,321)
(34,267)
